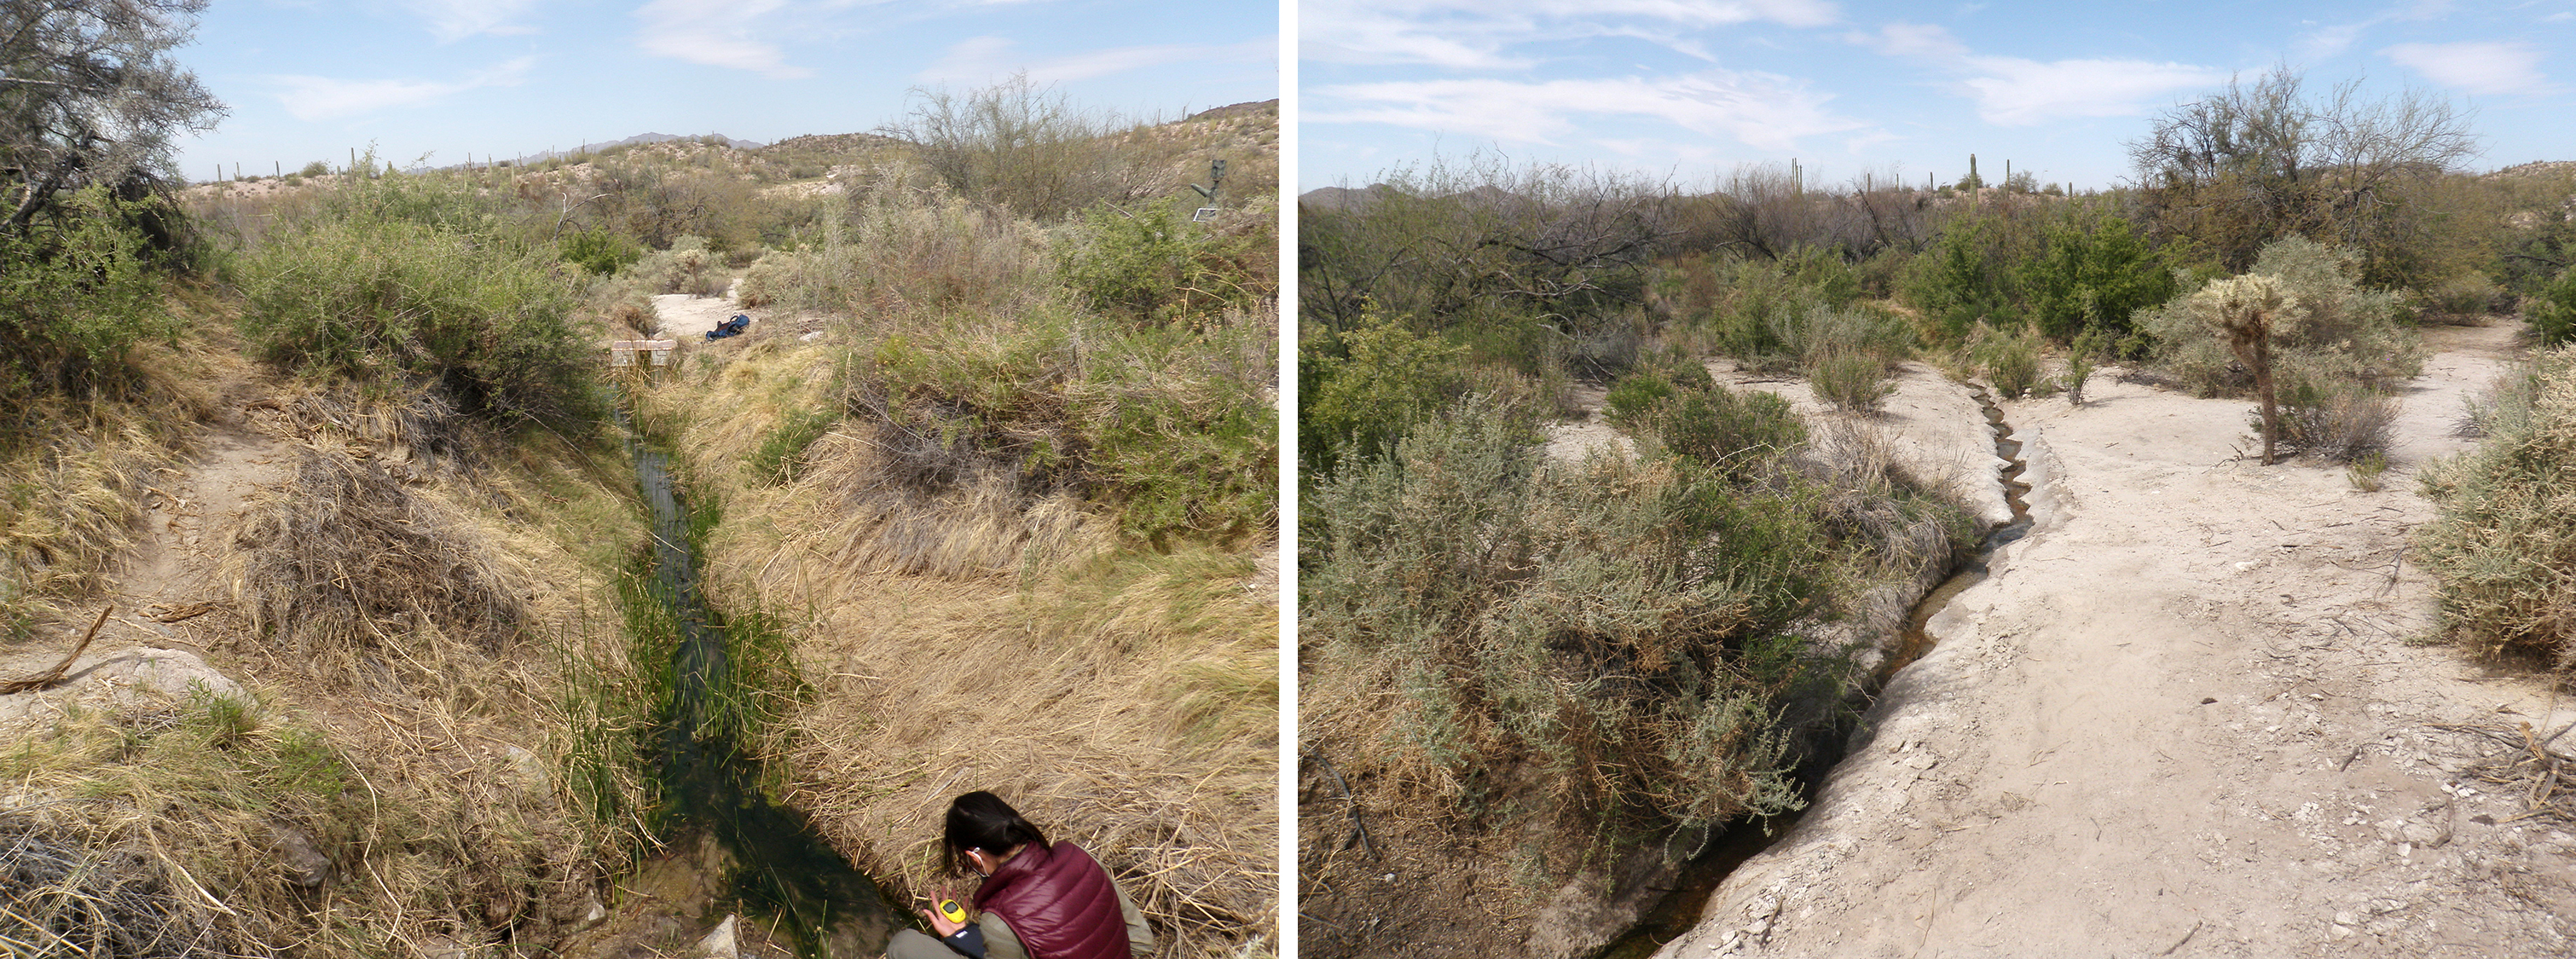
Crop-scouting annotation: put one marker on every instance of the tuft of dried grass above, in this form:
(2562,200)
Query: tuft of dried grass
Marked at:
(68,507)
(65,894)
(345,557)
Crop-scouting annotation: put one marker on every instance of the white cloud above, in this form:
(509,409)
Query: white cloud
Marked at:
(452,20)
(1902,39)
(717,33)
(1759,110)
(2328,41)
(311,98)
(1478,34)
(2475,66)
(984,59)
(2011,91)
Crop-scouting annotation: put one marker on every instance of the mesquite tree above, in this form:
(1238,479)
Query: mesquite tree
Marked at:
(2256,162)
(89,95)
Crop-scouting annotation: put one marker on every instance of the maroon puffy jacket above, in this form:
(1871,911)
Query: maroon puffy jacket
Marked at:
(1059,902)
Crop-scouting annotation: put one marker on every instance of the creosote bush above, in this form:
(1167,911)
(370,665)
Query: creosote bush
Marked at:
(1642,634)
(2503,545)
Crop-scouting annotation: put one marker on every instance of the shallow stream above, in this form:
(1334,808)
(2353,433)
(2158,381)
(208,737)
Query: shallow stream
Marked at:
(781,874)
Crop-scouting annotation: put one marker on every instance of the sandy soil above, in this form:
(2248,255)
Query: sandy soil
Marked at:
(2182,717)
(690,317)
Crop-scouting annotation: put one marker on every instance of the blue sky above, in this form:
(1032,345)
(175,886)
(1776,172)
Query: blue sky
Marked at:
(1690,89)
(307,79)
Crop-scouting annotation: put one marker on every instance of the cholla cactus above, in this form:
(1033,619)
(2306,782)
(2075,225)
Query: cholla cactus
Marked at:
(2245,309)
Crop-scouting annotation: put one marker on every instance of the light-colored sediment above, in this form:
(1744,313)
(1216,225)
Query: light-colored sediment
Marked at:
(2182,717)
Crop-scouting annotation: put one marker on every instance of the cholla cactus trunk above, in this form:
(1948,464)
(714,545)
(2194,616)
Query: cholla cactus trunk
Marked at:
(2249,334)
(2262,363)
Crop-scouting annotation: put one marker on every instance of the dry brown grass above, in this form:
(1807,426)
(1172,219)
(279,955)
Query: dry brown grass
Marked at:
(976,640)
(345,559)
(426,659)
(72,490)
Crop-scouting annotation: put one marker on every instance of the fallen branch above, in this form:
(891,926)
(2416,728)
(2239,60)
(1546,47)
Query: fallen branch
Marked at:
(47,679)
(2546,777)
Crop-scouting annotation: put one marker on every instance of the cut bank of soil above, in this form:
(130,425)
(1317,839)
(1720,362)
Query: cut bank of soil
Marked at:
(2184,716)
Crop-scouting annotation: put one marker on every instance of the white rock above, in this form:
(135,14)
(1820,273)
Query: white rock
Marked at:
(724,942)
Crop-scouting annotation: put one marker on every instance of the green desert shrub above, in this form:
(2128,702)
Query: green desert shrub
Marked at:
(393,298)
(1634,394)
(1737,431)
(2333,328)
(1361,389)
(1184,429)
(896,248)
(1152,265)
(687,267)
(1618,626)
(1763,312)
(2092,278)
(1962,280)
(2503,545)
(1852,381)
(2552,311)
(600,250)
(76,292)
(2008,359)
(1628,641)
(2468,294)
(2337,421)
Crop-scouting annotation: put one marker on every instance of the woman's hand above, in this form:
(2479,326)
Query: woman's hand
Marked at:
(941,923)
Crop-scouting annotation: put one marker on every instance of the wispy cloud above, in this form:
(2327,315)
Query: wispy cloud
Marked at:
(716,33)
(453,20)
(2331,40)
(1481,34)
(984,59)
(2015,91)
(2011,91)
(1763,111)
(2475,66)
(1912,40)
(311,98)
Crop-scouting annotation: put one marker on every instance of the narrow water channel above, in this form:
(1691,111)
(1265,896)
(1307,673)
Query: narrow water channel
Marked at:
(782,870)
(1682,908)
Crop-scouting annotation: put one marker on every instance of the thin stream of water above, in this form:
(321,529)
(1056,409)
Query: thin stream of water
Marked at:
(783,868)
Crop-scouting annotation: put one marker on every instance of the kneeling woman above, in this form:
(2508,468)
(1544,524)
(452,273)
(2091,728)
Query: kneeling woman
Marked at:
(1040,900)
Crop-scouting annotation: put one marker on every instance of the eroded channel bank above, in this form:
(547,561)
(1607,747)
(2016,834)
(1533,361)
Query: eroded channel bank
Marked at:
(775,866)
(1682,908)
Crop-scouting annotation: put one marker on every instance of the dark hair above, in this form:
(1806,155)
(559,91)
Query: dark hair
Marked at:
(981,820)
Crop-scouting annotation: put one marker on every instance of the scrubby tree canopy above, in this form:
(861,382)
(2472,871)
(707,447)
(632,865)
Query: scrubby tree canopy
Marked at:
(2248,165)
(90,96)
